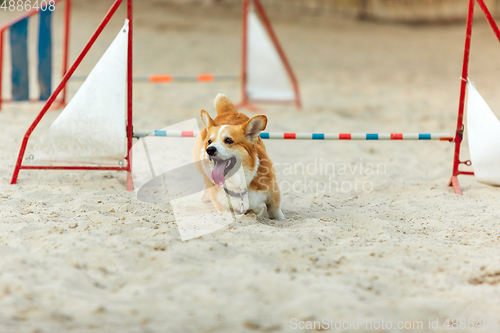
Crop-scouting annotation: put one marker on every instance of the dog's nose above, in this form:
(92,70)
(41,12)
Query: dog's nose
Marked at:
(211,150)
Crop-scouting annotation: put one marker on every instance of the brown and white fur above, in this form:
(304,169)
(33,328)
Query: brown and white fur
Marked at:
(232,139)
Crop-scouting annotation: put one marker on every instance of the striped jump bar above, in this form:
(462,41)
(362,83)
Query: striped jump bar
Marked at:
(189,78)
(315,136)
(161,78)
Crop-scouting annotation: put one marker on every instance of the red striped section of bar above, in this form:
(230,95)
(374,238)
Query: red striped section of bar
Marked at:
(205,77)
(289,136)
(161,78)
(396,136)
(344,136)
(187,134)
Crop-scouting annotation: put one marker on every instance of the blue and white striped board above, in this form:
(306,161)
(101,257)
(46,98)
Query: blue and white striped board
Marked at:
(45,54)
(18,33)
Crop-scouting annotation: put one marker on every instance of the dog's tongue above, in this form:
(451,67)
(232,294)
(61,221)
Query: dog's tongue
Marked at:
(218,173)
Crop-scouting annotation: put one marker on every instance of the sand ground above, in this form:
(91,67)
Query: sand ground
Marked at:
(79,253)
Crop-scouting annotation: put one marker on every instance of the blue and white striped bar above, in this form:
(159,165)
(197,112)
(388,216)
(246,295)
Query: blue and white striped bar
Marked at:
(314,136)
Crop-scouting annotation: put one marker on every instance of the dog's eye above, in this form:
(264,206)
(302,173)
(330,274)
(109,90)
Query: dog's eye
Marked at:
(228,141)
(209,141)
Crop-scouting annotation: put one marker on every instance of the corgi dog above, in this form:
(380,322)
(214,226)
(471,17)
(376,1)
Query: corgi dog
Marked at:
(234,163)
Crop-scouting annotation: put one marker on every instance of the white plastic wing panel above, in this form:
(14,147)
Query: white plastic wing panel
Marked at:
(92,127)
(484,138)
(267,79)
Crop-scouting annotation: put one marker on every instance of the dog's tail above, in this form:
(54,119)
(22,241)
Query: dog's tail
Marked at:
(223,104)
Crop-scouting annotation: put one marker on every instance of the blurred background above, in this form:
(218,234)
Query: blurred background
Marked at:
(410,11)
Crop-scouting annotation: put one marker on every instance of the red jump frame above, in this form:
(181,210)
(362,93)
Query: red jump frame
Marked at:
(67,14)
(463,88)
(245,101)
(62,86)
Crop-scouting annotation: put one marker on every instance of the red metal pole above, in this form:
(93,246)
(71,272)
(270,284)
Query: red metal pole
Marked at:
(244,61)
(67,13)
(61,85)
(130,185)
(281,53)
(463,87)
(489,18)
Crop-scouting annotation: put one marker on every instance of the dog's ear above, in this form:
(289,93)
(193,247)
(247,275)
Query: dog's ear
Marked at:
(205,117)
(254,126)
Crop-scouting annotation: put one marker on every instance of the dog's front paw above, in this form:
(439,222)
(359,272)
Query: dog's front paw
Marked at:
(276,214)
(205,197)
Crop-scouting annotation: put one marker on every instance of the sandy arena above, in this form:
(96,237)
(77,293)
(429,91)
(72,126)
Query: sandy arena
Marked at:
(78,253)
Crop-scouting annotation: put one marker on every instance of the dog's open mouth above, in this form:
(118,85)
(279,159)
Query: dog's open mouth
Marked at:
(221,169)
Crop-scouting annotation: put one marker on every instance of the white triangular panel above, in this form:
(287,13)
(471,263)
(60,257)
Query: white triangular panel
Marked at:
(91,128)
(267,79)
(484,138)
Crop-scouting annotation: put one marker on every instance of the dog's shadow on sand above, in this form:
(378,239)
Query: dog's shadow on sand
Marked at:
(292,219)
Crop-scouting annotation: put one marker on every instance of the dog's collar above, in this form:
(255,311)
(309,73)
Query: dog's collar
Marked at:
(234,194)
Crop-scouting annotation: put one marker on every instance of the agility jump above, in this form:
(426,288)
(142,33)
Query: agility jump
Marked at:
(266,74)
(491,161)
(123,163)
(487,167)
